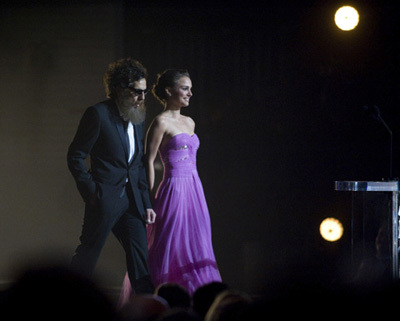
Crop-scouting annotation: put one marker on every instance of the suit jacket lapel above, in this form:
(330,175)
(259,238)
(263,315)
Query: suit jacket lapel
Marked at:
(120,128)
(138,128)
(122,135)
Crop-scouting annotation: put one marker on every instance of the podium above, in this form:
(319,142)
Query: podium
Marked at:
(374,203)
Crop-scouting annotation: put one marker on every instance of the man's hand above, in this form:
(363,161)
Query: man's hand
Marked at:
(150,216)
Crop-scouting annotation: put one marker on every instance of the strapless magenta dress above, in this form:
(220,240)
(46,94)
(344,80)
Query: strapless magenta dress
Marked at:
(180,246)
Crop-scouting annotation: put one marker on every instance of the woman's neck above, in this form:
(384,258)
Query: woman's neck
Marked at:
(174,112)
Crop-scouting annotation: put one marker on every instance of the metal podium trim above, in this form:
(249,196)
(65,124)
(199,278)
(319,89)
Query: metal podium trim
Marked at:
(363,186)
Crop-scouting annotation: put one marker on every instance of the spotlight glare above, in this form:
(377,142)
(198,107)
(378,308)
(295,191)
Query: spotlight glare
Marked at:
(346,18)
(331,229)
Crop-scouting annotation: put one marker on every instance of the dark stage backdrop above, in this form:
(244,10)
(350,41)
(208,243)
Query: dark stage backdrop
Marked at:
(278,103)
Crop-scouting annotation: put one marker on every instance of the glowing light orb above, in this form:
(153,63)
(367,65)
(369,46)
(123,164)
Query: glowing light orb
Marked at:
(331,229)
(346,18)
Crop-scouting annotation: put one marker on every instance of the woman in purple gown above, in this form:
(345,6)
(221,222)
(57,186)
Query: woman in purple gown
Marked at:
(180,247)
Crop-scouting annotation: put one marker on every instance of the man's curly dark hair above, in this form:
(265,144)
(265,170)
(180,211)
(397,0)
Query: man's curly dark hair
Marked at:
(121,73)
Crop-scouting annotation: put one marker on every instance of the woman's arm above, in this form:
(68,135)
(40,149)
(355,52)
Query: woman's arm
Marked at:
(154,138)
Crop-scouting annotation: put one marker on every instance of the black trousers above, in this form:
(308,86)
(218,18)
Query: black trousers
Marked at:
(122,218)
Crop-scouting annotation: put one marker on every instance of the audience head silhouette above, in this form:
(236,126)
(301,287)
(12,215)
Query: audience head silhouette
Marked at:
(50,293)
(176,295)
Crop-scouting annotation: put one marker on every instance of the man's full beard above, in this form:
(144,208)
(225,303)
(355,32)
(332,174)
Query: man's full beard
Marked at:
(136,115)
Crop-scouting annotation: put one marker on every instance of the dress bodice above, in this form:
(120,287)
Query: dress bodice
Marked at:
(179,155)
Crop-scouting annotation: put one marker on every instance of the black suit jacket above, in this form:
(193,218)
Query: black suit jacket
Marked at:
(100,134)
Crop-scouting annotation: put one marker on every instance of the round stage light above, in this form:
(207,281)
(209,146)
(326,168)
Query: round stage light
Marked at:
(346,18)
(331,229)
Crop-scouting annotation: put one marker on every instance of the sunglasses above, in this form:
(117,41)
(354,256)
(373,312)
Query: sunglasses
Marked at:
(138,92)
(135,91)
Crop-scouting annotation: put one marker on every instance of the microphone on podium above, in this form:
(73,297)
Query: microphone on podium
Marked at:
(374,112)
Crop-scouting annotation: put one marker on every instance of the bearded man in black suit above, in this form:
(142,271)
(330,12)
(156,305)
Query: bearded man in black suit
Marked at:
(115,188)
